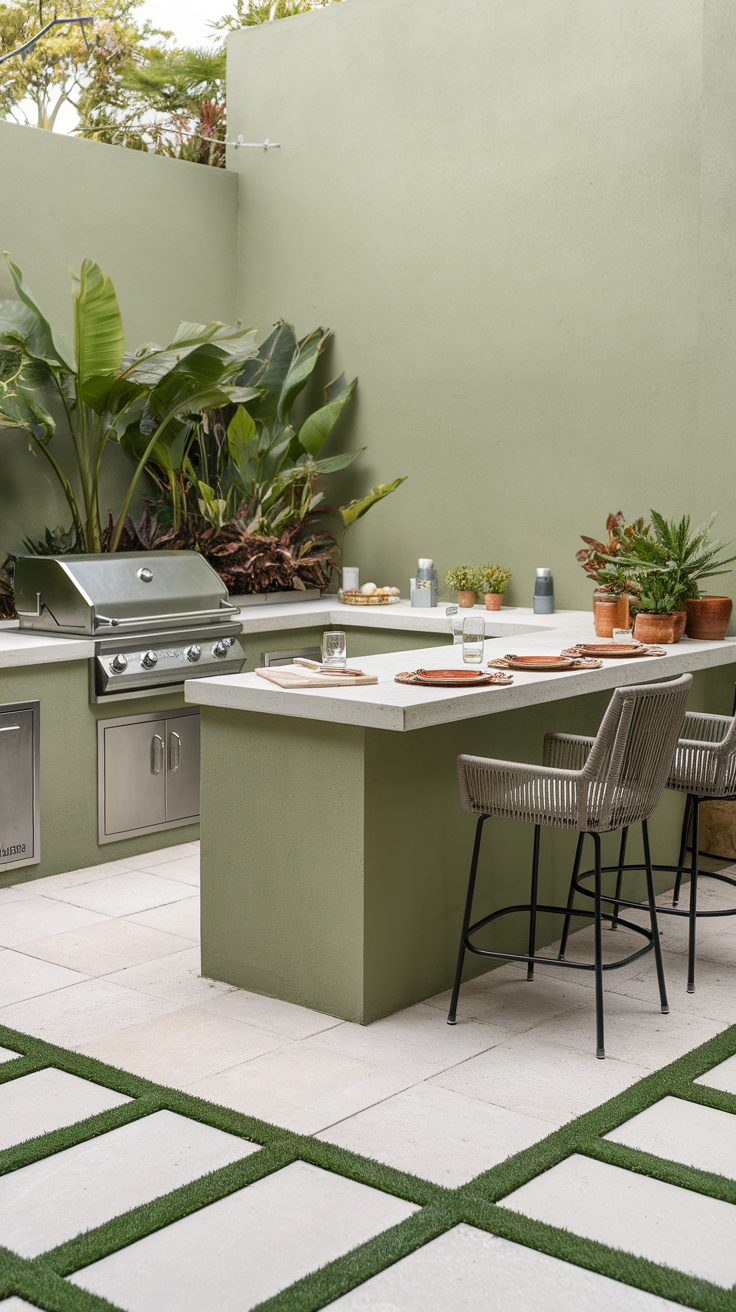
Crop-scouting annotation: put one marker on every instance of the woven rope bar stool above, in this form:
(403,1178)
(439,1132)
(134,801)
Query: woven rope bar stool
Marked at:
(704,768)
(617,782)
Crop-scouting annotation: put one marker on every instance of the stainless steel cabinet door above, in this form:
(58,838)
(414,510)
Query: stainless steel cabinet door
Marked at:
(17,789)
(135,776)
(182,780)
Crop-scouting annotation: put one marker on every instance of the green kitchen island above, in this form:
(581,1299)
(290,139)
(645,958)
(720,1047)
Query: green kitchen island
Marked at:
(334,848)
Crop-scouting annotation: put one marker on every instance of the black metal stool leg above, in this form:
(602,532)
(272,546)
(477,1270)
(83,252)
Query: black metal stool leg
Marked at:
(683,848)
(451,1015)
(571,898)
(600,1049)
(693,915)
(653,920)
(620,875)
(533,902)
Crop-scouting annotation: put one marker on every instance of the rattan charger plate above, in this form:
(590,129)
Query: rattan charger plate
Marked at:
(614,651)
(576,663)
(482,680)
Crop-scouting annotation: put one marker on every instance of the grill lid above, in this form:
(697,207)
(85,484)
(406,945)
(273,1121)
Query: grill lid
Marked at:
(128,591)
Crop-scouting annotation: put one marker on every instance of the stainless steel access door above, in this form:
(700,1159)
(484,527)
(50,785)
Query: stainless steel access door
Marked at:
(19,785)
(182,758)
(135,776)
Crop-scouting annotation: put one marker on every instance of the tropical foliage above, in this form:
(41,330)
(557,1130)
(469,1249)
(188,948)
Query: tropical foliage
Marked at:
(465,578)
(251,13)
(660,594)
(494,579)
(682,555)
(600,560)
(144,402)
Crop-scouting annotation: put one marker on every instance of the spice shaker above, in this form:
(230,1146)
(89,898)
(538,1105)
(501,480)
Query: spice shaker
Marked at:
(424,586)
(544,593)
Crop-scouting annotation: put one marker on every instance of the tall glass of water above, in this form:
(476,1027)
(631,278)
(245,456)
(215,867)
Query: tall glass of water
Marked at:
(334,648)
(474,632)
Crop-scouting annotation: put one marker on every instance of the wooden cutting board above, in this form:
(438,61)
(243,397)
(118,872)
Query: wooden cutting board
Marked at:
(290,676)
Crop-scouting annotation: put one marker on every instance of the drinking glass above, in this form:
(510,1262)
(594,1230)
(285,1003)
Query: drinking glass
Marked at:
(474,632)
(623,635)
(334,648)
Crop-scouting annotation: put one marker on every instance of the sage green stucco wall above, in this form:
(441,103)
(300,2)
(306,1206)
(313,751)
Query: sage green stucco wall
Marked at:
(518,218)
(165,231)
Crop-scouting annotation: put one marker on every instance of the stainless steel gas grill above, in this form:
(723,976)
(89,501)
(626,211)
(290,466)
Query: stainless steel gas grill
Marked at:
(157,618)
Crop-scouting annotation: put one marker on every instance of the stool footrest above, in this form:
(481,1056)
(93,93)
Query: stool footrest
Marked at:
(537,960)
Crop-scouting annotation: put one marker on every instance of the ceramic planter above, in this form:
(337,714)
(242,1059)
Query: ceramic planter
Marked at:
(659,630)
(466,599)
(610,612)
(708,618)
(493,600)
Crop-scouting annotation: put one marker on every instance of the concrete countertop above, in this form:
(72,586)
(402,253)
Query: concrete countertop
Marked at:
(328,612)
(19,649)
(395,706)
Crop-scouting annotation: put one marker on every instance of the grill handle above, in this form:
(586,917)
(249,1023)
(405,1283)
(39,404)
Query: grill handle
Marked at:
(157,753)
(176,616)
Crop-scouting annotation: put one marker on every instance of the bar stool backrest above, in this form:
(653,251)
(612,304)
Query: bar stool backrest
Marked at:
(628,765)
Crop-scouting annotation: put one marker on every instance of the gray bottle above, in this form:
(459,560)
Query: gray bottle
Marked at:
(544,593)
(424,589)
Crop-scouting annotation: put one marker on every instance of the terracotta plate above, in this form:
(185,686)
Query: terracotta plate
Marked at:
(548,663)
(613,650)
(460,677)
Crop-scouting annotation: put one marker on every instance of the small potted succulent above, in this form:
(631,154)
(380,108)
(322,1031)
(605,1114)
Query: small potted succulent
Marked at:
(660,607)
(467,581)
(614,588)
(494,582)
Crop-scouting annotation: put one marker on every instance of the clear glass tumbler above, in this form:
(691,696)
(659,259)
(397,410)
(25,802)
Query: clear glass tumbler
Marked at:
(334,648)
(474,632)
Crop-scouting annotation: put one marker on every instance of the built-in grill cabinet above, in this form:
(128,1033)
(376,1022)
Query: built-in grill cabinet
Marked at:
(19,785)
(148,773)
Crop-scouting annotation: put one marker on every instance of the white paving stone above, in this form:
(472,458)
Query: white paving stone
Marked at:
(437,1134)
(661,1222)
(148,860)
(36,917)
(175,978)
(245,1248)
(17,1305)
(125,894)
(53,1200)
(722,1076)
(528,1074)
(177,918)
(22,976)
(273,1014)
(467,1270)
(69,878)
(7,1055)
(182,1046)
(684,1132)
(418,1036)
(185,869)
(48,1099)
(303,1086)
(506,997)
(82,1012)
(635,1030)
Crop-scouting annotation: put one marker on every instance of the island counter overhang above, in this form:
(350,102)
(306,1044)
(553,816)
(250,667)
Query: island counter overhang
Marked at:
(334,848)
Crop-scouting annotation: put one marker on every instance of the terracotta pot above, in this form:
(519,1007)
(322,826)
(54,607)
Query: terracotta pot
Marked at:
(493,600)
(659,630)
(680,617)
(708,618)
(609,613)
(466,599)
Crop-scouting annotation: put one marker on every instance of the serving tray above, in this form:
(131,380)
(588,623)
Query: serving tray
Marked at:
(452,679)
(366,599)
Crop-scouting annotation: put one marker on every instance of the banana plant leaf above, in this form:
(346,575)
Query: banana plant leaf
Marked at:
(309,350)
(356,509)
(44,338)
(315,430)
(99,339)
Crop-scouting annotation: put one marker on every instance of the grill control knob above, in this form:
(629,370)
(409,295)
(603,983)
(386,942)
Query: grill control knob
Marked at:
(149,659)
(193,653)
(221,648)
(119,663)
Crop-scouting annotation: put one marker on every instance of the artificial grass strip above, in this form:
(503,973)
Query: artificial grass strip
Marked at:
(479,1203)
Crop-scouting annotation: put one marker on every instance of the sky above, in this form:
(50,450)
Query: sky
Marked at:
(187,19)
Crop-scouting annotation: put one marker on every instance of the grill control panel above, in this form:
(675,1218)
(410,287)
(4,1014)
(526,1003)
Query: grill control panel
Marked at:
(135,668)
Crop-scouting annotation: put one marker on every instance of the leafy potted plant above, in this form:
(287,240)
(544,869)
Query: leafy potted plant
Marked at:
(495,580)
(685,556)
(660,609)
(614,588)
(467,581)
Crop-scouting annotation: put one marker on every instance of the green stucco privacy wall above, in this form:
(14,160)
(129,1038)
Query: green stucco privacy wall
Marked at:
(519,220)
(165,232)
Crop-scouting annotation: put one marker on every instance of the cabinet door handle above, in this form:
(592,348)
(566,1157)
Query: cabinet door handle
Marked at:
(174,751)
(157,753)
(9,728)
